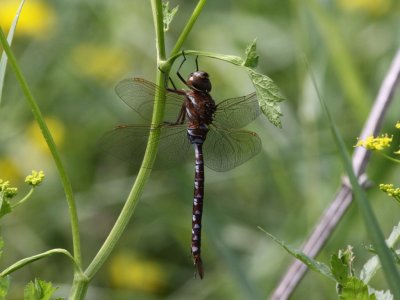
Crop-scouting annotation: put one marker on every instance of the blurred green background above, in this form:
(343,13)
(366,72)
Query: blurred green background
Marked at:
(73,52)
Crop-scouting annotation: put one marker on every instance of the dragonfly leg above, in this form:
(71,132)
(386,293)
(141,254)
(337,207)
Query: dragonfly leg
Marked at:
(180,66)
(197,63)
(182,115)
(173,84)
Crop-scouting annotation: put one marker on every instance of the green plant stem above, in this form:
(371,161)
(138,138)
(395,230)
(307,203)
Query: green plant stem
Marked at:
(154,136)
(149,157)
(21,263)
(52,147)
(389,157)
(23,199)
(188,27)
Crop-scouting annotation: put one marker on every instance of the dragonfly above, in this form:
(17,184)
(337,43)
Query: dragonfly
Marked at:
(192,119)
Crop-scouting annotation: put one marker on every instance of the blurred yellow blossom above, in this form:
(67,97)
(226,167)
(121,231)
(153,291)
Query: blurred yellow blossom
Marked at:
(56,128)
(130,272)
(372,7)
(378,143)
(397,125)
(37,19)
(9,170)
(100,62)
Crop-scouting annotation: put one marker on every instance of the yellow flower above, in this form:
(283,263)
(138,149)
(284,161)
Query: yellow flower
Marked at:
(129,272)
(397,125)
(390,190)
(6,191)
(372,7)
(35,178)
(56,128)
(37,19)
(100,62)
(378,143)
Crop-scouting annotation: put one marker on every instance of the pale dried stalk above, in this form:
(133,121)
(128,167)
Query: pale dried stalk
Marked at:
(334,213)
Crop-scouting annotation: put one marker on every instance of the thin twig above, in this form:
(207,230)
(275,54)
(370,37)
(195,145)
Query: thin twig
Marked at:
(334,213)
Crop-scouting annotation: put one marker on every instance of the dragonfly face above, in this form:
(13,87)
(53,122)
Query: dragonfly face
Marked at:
(199,81)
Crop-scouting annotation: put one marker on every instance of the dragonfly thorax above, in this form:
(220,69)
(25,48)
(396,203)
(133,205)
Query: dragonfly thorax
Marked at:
(200,108)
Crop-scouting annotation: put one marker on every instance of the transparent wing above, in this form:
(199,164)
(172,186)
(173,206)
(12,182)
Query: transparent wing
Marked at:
(128,143)
(237,112)
(139,93)
(226,149)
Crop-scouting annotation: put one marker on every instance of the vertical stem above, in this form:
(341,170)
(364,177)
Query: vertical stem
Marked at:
(148,160)
(188,27)
(52,147)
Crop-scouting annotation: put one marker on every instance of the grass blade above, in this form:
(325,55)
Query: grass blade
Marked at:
(10,36)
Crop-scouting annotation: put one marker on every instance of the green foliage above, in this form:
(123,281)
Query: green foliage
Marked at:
(4,286)
(349,287)
(168,14)
(310,262)
(341,267)
(39,290)
(6,193)
(268,95)
(252,57)
(355,289)
(5,207)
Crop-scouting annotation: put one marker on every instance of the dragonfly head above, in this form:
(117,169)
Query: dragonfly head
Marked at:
(199,81)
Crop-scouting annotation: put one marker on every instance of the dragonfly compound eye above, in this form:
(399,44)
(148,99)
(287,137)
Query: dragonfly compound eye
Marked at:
(200,81)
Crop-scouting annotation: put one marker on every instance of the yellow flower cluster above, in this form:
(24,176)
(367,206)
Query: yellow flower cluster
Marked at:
(35,178)
(390,190)
(375,143)
(6,191)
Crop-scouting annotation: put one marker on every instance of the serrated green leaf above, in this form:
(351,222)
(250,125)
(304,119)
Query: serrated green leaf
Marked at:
(4,285)
(308,261)
(251,60)
(39,290)
(356,289)
(168,14)
(3,60)
(268,95)
(340,269)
